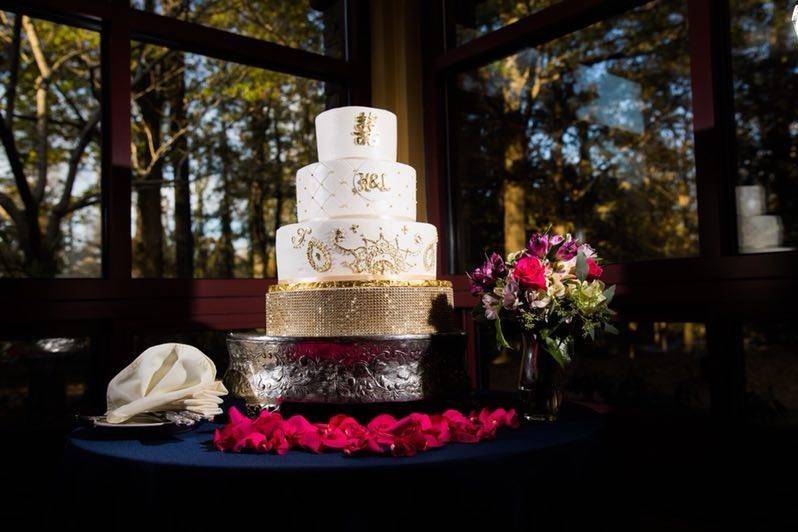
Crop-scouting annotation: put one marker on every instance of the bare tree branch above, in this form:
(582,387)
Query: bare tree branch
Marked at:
(75,156)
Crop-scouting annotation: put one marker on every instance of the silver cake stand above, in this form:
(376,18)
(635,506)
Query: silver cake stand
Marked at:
(265,370)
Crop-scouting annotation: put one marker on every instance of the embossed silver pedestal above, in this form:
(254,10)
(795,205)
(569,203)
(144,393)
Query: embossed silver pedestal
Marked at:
(267,370)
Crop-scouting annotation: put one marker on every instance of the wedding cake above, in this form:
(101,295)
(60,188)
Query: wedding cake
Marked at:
(357,314)
(357,262)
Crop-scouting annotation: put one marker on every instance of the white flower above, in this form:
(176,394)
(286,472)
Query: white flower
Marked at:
(492,306)
(537,298)
(588,251)
(556,286)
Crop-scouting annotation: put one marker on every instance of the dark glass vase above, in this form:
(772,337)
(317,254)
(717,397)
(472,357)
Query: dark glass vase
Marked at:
(540,381)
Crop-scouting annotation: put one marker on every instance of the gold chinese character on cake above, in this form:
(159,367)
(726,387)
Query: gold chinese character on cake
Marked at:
(365,132)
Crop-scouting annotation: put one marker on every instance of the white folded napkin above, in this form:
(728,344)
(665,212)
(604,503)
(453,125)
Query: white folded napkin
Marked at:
(166,377)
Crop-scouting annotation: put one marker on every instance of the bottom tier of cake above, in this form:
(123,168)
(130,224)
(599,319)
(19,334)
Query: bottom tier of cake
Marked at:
(266,370)
(359,308)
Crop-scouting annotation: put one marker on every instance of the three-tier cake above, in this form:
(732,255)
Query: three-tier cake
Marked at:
(357,315)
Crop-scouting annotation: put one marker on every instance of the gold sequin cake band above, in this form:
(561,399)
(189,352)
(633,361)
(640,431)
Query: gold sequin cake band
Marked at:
(322,285)
(360,311)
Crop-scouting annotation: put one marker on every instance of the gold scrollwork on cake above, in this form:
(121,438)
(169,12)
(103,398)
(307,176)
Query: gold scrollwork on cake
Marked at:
(318,255)
(299,238)
(378,256)
(370,283)
(429,256)
(365,132)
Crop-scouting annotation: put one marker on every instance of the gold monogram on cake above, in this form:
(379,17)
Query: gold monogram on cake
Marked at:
(368,181)
(365,132)
(376,256)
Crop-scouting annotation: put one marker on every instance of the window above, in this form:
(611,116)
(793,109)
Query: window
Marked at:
(765,62)
(590,133)
(627,125)
(215,149)
(129,161)
(308,25)
(50,223)
(475,18)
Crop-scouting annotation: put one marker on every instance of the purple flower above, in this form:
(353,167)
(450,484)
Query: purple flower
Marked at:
(484,277)
(510,295)
(538,245)
(568,250)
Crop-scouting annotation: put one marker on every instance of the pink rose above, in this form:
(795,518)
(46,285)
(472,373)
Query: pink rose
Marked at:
(594,271)
(530,273)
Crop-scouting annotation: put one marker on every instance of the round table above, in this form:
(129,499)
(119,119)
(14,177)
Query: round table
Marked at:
(513,482)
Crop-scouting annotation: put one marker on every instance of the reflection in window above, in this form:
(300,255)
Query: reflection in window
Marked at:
(215,149)
(474,18)
(650,364)
(42,381)
(765,63)
(312,25)
(50,160)
(591,133)
(771,371)
(211,343)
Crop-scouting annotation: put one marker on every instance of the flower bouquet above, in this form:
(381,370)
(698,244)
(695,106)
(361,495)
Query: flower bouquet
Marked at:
(553,290)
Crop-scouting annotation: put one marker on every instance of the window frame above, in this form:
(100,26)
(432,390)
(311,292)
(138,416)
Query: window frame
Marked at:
(719,287)
(111,307)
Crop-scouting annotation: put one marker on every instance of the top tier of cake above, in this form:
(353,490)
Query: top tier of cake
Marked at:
(356,132)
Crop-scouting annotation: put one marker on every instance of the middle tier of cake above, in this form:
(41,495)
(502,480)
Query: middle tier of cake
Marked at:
(356,249)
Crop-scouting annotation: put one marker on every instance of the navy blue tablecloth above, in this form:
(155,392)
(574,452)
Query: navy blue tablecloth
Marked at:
(518,481)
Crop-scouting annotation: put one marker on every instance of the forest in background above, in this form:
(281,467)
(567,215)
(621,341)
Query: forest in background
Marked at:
(590,133)
(214,151)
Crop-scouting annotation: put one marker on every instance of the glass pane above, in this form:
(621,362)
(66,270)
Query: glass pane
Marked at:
(50,223)
(650,364)
(591,133)
(315,26)
(474,18)
(765,63)
(215,149)
(771,367)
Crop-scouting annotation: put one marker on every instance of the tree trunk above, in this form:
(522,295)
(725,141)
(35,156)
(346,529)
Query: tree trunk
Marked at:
(184,239)
(257,194)
(149,227)
(271,269)
(225,257)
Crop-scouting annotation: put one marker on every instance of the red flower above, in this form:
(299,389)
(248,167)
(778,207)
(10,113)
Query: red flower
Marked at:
(414,433)
(594,271)
(300,432)
(530,273)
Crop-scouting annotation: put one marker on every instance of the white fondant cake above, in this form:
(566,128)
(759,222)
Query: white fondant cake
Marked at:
(356,208)
(356,132)
(356,188)
(356,249)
